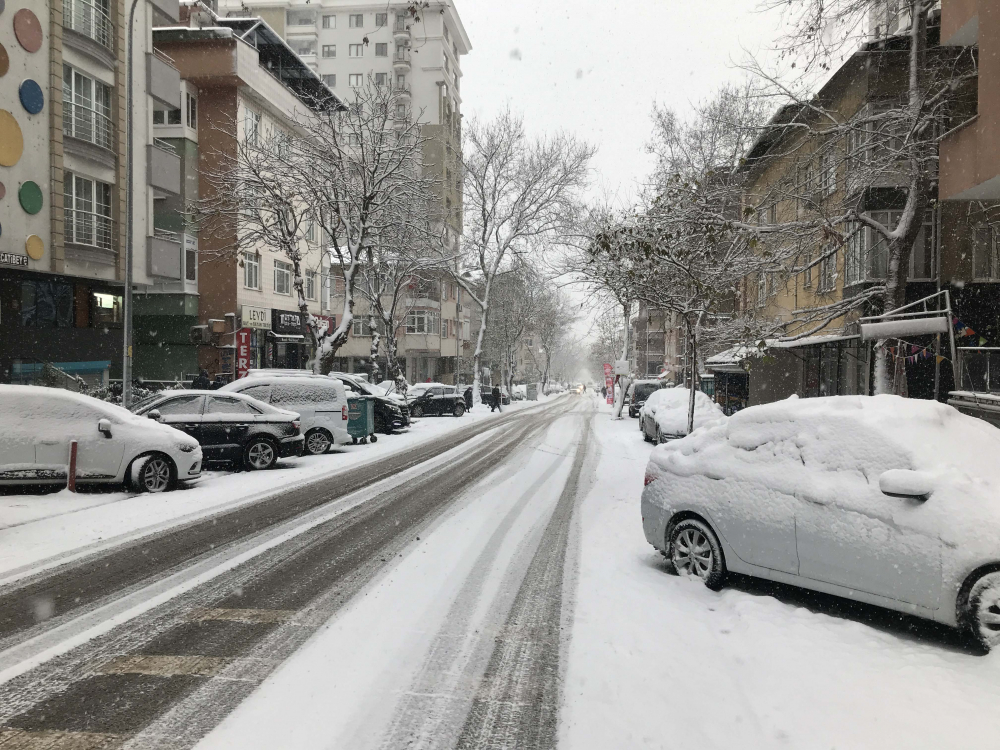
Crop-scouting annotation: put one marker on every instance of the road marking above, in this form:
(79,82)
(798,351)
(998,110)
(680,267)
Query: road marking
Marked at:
(50,739)
(265,616)
(163,666)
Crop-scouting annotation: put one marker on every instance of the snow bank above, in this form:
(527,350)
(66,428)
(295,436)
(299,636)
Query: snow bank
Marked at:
(669,408)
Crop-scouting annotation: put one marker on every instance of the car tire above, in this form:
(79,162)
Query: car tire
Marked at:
(417,411)
(459,410)
(645,435)
(373,437)
(694,550)
(317,442)
(157,474)
(260,454)
(659,436)
(979,610)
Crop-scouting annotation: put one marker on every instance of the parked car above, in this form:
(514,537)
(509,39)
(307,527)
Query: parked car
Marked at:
(391,411)
(637,393)
(435,398)
(486,394)
(885,500)
(664,415)
(320,402)
(113,445)
(232,428)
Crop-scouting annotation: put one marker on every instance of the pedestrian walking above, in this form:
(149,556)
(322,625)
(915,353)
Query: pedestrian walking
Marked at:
(468,398)
(201,383)
(604,391)
(496,399)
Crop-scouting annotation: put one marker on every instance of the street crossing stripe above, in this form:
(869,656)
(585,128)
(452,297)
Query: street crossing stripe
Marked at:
(242,615)
(51,739)
(162,666)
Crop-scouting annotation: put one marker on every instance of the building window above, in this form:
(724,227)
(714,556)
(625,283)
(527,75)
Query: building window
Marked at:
(357,20)
(310,285)
(400,111)
(381,19)
(86,108)
(251,271)
(985,255)
(92,19)
(381,79)
(192,110)
(400,81)
(282,277)
(807,274)
(355,80)
(828,271)
(190,263)
(87,211)
(251,127)
(355,50)
(330,79)
(381,49)
(422,322)
(400,22)
(48,304)
(329,50)
(329,22)
(361,327)
(761,289)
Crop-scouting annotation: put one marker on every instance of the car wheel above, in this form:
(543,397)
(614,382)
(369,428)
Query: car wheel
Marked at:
(318,442)
(695,551)
(459,410)
(260,454)
(659,436)
(155,473)
(982,612)
(373,437)
(645,435)
(417,411)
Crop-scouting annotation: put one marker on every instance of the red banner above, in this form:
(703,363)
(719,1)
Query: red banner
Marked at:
(609,381)
(243,351)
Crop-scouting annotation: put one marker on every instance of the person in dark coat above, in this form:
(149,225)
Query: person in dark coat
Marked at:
(604,391)
(496,399)
(218,382)
(468,398)
(201,383)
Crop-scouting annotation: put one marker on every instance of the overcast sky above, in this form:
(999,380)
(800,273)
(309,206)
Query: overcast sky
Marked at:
(595,67)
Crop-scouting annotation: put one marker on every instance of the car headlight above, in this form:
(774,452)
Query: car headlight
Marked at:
(186,447)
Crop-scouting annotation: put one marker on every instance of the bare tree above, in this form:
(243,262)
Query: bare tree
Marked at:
(518,189)
(551,324)
(515,309)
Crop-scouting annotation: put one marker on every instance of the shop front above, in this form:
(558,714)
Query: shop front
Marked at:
(285,347)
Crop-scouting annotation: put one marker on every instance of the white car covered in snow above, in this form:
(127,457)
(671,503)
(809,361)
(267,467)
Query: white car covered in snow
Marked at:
(664,415)
(113,445)
(890,501)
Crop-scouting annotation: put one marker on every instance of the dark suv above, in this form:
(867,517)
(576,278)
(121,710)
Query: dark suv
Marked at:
(638,392)
(390,414)
(433,398)
(231,428)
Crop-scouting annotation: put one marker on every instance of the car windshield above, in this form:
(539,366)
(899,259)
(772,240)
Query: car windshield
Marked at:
(642,390)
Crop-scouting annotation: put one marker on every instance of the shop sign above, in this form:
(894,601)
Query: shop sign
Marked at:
(256,317)
(286,322)
(609,381)
(13,259)
(226,360)
(331,323)
(243,338)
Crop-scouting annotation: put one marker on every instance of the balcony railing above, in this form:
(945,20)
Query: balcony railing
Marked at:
(87,19)
(84,123)
(167,235)
(165,145)
(89,228)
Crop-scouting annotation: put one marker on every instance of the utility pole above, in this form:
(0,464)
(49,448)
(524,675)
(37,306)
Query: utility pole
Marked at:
(129,212)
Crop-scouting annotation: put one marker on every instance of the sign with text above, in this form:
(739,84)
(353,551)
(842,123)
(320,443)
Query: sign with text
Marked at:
(14,259)
(256,317)
(283,321)
(609,381)
(243,351)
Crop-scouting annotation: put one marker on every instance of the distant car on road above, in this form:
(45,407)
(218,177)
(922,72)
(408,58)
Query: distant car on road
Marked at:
(880,499)
(638,392)
(113,445)
(231,427)
(320,402)
(435,399)
(664,415)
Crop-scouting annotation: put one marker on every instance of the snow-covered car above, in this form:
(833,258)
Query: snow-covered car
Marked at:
(113,445)
(320,402)
(391,412)
(890,501)
(232,428)
(638,392)
(664,415)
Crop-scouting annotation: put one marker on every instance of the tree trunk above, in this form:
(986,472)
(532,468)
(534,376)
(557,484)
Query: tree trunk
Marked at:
(373,352)
(623,380)
(693,349)
(477,358)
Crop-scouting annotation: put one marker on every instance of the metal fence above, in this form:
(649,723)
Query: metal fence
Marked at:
(89,20)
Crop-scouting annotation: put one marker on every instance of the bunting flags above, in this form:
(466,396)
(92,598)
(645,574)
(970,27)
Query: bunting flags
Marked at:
(962,330)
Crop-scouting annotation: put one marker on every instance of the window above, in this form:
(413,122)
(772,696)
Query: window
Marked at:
(361,327)
(828,270)
(381,49)
(355,80)
(329,22)
(282,277)
(182,405)
(87,211)
(381,19)
(305,49)
(48,304)
(422,321)
(807,274)
(330,79)
(329,50)
(227,405)
(400,81)
(251,271)
(400,52)
(357,20)
(828,173)
(985,259)
(190,263)
(87,108)
(400,22)
(310,285)
(192,110)
(355,50)
(400,111)
(251,127)
(381,79)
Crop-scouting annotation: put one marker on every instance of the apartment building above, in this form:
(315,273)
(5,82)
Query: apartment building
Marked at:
(242,81)
(657,344)
(63,158)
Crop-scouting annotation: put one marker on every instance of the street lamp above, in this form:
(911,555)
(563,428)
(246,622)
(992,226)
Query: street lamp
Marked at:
(129,211)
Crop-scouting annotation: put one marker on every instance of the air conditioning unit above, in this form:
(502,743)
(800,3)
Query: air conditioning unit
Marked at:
(199,335)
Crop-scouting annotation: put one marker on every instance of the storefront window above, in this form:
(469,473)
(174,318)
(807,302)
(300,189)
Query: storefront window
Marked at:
(46,304)
(105,309)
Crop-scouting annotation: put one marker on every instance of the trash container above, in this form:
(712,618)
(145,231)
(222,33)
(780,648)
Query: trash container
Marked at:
(361,418)
(532,391)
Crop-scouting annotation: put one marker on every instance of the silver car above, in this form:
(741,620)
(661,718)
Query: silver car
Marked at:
(890,501)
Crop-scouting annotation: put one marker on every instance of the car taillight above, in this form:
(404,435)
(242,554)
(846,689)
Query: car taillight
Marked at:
(650,477)
(343,413)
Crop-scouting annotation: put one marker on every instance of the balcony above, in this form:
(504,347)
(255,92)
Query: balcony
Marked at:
(401,62)
(93,22)
(400,32)
(81,122)
(163,82)
(89,229)
(163,254)
(164,167)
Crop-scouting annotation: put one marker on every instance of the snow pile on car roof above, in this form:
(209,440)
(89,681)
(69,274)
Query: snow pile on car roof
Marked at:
(671,405)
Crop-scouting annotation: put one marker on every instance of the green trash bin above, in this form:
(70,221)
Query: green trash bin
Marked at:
(361,419)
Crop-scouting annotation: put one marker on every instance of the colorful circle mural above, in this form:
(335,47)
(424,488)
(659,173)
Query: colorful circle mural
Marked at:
(32,98)
(11,140)
(4,59)
(30,196)
(3,191)
(34,247)
(28,30)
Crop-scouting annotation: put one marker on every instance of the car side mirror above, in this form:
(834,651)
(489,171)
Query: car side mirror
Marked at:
(104,427)
(154,414)
(904,483)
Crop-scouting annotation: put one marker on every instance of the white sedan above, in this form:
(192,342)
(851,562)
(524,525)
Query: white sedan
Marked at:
(890,501)
(664,415)
(113,445)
